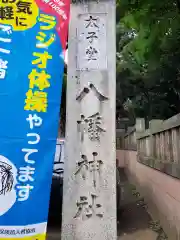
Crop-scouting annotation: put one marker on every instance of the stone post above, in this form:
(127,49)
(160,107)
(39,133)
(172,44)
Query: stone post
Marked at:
(89,201)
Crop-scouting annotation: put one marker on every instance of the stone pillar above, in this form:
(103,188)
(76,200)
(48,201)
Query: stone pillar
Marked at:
(89,202)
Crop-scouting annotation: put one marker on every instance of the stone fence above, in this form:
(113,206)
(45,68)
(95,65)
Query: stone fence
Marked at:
(157,147)
(151,159)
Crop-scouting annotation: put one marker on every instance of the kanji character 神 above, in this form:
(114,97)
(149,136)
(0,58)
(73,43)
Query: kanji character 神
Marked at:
(36,101)
(6,13)
(39,79)
(3,67)
(28,153)
(36,136)
(41,59)
(34,120)
(24,7)
(88,210)
(92,22)
(49,20)
(43,42)
(23,192)
(25,174)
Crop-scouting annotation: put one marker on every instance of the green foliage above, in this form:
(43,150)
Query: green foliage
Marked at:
(148,49)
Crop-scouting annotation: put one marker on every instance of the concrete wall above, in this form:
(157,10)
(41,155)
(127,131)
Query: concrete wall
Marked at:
(161,191)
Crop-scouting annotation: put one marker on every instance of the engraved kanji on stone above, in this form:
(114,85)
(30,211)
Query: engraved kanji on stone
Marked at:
(91,36)
(92,22)
(92,166)
(87,210)
(87,90)
(91,53)
(92,126)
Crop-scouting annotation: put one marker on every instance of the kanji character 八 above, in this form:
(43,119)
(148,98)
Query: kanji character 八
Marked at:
(49,20)
(41,59)
(6,13)
(25,174)
(34,120)
(24,7)
(36,101)
(39,79)
(43,43)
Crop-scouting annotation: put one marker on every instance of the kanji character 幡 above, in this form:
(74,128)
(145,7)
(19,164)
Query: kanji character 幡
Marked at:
(44,43)
(25,174)
(6,13)
(23,192)
(34,120)
(24,7)
(36,101)
(49,20)
(28,153)
(36,136)
(39,79)
(41,59)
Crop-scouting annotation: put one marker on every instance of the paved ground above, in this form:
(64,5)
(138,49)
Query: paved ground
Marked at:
(134,223)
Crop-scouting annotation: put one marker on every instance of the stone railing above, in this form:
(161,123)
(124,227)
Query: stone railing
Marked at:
(157,147)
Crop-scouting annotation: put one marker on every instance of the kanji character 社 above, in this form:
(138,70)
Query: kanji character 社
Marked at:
(25,174)
(44,43)
(41,59)
(24,7)
(39,79)
(34,120)
(36,101)
(88,210)
(23,192)
(6,13)
(49,20)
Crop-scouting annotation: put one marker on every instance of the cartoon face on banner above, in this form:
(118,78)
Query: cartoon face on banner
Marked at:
(8,174)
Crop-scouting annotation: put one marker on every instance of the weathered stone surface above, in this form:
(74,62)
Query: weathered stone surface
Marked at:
(89,204)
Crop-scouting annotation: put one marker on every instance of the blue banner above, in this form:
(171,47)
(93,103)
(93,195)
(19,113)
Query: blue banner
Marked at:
(31,73)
